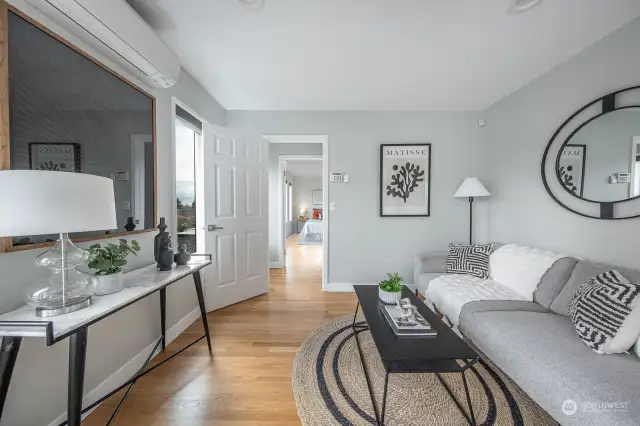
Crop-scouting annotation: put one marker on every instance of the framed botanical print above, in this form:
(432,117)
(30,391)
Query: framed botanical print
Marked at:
(405,180)
(62,157)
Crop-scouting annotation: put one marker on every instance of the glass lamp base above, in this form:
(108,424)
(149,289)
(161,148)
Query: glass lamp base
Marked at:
(55,307)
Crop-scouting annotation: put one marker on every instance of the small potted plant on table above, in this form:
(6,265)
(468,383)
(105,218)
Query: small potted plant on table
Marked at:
(108,262)
(390,290)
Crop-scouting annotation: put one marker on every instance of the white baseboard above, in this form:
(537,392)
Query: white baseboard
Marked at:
(348,287)
(131,367)
(276,265)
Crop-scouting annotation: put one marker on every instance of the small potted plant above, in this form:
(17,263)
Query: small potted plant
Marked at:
(107,263)
(390,290)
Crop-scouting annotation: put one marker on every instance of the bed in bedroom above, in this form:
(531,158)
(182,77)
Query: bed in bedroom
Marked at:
(311,233)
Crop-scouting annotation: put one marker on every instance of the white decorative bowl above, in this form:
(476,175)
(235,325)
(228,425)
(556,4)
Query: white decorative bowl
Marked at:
(388,297)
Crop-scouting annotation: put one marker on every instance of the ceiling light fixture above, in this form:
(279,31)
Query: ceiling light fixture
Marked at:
(253,6)
(518,6)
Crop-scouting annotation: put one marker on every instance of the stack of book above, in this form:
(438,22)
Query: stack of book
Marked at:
(415,325)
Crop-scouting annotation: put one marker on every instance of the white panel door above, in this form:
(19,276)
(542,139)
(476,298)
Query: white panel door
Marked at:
(236,171)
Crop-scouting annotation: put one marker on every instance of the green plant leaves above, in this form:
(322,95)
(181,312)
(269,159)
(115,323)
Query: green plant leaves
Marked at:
(393,284)
(110,259)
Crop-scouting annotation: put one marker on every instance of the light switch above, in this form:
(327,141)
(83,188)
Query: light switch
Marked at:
(345,178)
(332,206)
(126,205)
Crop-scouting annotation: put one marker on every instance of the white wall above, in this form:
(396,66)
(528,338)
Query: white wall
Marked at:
(518,129)
(275,150)
(37,394)
(364,246)
(303,188)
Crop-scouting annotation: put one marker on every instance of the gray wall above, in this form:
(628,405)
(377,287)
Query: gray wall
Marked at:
(275,150)
(518,129)
(609,140)
(37,394)
(364,246)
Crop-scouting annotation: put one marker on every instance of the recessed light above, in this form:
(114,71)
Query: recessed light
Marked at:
(517,6)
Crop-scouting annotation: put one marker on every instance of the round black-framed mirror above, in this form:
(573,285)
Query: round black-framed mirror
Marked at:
(591,165)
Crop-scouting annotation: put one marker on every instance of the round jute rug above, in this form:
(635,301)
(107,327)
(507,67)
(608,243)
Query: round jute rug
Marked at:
(330,388)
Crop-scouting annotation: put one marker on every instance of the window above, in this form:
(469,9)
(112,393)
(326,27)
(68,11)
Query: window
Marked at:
(290,203)
(187,136)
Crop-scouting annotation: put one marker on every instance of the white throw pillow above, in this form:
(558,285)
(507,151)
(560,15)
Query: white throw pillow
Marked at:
(520,268)
(606,313)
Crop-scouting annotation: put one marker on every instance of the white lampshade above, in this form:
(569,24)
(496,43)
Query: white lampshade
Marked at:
(471,187)
(38,202)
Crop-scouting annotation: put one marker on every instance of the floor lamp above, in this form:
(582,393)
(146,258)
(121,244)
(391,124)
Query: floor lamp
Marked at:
(470,188)
(39,202)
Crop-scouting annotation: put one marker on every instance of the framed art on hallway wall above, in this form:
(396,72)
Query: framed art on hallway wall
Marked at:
(405,180)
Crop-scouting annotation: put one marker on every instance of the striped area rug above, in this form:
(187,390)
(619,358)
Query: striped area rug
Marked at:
(330,388)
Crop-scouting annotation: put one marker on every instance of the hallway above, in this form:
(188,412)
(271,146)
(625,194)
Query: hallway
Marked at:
(248,380)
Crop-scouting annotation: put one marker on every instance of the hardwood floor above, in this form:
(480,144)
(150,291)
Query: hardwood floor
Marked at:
(247,382)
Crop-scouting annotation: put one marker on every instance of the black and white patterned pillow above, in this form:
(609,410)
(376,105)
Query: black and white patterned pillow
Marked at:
(606,313)
(469,260)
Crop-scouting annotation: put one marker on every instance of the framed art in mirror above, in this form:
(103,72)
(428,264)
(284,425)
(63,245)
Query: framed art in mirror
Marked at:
(62,110)
(605,184)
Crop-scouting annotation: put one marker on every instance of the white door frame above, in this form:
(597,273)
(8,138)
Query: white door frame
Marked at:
(138,179)
(324,140)
(635,151)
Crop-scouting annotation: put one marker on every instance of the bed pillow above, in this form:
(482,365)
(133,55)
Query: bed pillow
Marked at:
(469,260)
(606,313)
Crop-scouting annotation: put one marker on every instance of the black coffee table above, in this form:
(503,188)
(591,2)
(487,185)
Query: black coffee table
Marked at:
(424,354)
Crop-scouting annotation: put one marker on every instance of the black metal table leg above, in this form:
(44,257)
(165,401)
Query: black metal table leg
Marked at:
(384,398)
(355,314)
(77,357)
(203,309)
(8,355)
(163,316)
(466,391)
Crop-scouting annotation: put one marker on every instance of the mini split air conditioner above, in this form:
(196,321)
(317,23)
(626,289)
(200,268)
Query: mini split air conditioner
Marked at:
(115,29)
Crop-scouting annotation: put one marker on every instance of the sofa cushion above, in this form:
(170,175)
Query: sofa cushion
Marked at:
(469,259)
(582,273)
(606,313)
(554,280)
(520,267)
(451,292)
(543,355)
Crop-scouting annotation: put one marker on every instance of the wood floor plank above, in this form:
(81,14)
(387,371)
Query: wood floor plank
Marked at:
(247,382)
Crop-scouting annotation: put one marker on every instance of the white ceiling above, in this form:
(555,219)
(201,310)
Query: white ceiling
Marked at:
(376,54)
(304,168)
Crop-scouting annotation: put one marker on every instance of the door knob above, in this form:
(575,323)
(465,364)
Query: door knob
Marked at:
(212,228)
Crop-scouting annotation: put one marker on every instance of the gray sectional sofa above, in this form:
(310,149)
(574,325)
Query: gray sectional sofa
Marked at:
(535,343)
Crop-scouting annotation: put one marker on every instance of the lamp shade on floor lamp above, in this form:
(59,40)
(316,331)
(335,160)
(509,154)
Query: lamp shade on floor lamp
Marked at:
(471,187)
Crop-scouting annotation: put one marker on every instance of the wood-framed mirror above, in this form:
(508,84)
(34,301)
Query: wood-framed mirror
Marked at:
(61,109)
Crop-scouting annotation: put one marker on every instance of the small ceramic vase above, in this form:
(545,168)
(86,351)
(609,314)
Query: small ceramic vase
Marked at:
(182,257)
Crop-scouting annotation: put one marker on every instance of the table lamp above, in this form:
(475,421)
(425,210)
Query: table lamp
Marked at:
(46,202)
(471,187)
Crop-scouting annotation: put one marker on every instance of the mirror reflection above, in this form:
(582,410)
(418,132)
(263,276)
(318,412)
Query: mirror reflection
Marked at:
(601,162)
(71,115)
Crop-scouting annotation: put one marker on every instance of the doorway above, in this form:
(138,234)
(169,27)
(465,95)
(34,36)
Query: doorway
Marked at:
(303,211)
(292,207)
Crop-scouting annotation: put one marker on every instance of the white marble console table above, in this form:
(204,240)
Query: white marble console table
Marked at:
(139,284)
